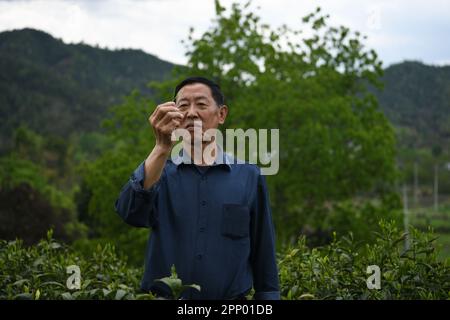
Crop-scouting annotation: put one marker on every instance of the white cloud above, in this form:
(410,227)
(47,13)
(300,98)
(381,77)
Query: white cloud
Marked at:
(397,30)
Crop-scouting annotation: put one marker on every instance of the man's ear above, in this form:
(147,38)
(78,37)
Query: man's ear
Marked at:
(223,112)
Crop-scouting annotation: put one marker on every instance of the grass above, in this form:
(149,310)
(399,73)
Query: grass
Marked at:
(439,221)
(444,243)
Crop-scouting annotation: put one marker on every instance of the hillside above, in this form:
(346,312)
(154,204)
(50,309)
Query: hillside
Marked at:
(416,99)
(57,88)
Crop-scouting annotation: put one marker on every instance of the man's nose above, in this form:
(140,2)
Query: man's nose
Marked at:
(191,111)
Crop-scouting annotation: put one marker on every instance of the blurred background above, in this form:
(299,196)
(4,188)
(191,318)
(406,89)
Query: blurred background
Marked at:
(359,90)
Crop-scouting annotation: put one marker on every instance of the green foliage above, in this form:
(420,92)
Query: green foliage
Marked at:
(27,144)
(335,144)
(130,136)
(416,99)
(30,205)
(15,171)
(59,89)
(36,189)
(40,272)
(53,155)
(362,217)
(425,218)
(310,83)
(317,84)
(335,271)
(176,285)
(339,271)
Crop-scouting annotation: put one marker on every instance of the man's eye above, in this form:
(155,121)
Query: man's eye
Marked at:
(182,106)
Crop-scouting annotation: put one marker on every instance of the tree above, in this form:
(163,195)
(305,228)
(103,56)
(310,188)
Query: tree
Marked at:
(130,136)
(30,205)
(335,144)
(312,84)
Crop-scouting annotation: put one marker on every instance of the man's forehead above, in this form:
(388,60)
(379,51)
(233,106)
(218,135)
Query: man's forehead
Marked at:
(194,90)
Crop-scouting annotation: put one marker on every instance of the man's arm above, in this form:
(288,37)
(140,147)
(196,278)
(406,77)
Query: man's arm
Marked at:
(263,259)
(136,203)
(163,120)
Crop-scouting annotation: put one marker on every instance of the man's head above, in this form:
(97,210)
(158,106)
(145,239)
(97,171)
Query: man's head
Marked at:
(214,87)
(200,99)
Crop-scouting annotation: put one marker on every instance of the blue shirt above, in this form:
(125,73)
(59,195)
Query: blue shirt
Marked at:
(215,226)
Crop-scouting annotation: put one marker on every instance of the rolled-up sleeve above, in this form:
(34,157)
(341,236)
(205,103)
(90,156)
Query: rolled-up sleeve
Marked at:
(138,206)
(263,259)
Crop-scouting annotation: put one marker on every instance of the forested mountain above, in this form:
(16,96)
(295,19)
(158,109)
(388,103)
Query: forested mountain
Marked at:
(340,168)
(416,98)
(57,88)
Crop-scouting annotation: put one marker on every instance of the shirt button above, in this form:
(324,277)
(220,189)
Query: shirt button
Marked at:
(203,177)
(202,229)
(199,257)
(203,203)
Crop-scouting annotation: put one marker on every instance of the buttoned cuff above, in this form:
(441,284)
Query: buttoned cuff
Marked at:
(137,181)
(271,295)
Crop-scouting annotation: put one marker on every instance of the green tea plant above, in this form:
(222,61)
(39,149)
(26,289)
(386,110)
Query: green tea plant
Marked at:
(335,271)
(339,270)
(176,285)
(40,272)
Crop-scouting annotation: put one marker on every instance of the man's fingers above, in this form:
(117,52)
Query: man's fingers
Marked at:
(166,118)
(158,113)
(169,127)
(170,116)
(161,110)
(168,103)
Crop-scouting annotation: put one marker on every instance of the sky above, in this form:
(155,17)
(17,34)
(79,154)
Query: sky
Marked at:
(397,30)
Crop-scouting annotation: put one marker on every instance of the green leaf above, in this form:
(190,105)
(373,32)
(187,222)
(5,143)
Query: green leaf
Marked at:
(23,296)
(120,294)
(106,292)
(55,245)
(20,282)
(194,286)
(52,283)
(67,296)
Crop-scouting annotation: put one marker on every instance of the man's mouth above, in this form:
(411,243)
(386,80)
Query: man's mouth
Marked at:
(191,126)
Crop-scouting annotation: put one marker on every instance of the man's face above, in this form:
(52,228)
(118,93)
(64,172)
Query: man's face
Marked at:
(197,104)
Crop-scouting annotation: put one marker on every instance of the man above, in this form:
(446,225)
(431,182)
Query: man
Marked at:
(209,217)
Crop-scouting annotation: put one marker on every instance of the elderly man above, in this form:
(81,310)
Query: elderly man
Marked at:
(210,218)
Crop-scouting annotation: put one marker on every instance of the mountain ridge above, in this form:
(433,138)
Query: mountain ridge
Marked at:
(71,86)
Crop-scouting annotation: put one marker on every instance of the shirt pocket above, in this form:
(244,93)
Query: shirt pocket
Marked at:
(235,221)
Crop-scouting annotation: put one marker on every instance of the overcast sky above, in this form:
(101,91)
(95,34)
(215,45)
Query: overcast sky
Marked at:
(397,30)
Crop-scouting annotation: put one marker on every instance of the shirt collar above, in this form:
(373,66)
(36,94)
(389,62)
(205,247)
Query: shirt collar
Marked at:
(222,159)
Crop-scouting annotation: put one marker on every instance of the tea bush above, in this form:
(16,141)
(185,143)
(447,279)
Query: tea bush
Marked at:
(39,272)
(335,271)
(339,270)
